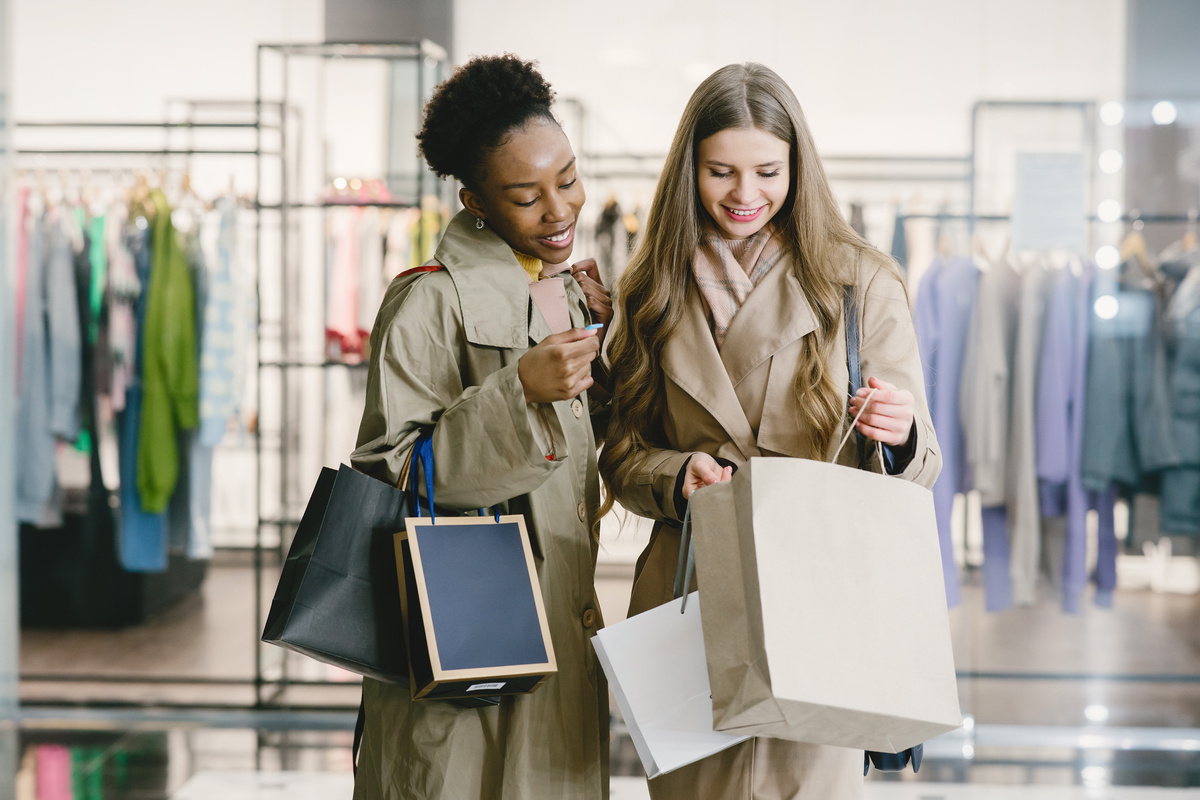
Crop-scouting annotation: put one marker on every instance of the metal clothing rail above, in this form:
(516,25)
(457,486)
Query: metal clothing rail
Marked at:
(86,125)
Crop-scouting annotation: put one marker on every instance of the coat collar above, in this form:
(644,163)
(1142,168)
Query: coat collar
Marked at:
(493,289)
(775,314)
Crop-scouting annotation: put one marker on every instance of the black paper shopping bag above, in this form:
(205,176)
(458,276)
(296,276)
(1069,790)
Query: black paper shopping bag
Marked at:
(338,599)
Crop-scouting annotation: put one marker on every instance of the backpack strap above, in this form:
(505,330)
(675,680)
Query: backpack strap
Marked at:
(854,361)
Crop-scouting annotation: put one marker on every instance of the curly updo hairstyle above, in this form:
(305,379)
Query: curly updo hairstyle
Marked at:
(473,112)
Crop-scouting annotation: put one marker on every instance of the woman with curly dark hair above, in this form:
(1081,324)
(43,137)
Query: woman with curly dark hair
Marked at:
(488,345)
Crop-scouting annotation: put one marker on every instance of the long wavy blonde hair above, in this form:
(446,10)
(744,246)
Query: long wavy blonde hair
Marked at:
(653,289)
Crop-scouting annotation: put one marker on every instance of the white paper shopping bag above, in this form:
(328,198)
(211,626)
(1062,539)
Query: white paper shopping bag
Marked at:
(656,668)
(824,606)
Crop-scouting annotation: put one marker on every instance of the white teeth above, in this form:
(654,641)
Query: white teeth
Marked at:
(559,238)
(738,212)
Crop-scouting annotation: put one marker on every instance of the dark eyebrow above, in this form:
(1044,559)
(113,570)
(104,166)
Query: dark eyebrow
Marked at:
(730,166)
(531,185)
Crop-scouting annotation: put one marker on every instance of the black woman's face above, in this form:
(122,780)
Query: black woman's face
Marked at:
(531,195)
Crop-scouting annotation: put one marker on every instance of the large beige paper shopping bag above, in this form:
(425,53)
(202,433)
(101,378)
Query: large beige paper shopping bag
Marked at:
(824,607)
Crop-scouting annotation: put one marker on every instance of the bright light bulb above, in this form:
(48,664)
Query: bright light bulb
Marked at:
(1107,306)
(1097,713)
(968,751)
(1107,257)
(1094,775)
(1112,112)
(968,723)
(1109,210)
(1111,161)
(1164,112)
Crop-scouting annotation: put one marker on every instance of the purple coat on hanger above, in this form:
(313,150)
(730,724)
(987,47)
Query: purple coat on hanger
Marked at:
(1062,385)
(945,298)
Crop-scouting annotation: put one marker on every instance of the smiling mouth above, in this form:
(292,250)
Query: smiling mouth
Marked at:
(561,239)
(743,214)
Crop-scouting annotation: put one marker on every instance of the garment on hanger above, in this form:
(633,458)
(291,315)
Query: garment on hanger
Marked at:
(985,398)
(900,242)
(1061,399)
(1180,488)
(142,534)
(1024,520)
(51,369)
(221,333)
(1128,420)
(943,312)
(170,378)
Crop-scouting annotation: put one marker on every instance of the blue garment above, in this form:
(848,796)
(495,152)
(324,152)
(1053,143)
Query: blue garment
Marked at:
(1180,510)
(900,243)
(1060,415)
(51,369)
(142,540)
(219,336)
(997,558)
(945,299)
(1129,422)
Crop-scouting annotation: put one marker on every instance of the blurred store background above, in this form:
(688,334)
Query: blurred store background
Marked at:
(965,137)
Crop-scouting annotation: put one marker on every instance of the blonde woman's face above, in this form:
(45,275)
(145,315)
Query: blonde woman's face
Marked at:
(743,177)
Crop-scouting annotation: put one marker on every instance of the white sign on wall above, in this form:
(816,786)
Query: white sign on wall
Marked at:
(1049,202)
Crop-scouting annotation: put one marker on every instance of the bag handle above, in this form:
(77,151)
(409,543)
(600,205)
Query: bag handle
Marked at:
(854,366)
(422,456)
(687,559)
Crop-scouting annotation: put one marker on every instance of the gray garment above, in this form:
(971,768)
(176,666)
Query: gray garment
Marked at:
(1129,426)
(1024,513)
(985,393)
(51,368)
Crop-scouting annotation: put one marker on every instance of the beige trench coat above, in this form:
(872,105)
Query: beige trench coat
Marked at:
(444,350)
(739,403)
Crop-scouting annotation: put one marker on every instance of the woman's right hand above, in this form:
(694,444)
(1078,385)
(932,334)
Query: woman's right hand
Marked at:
(559,367)
(703,470)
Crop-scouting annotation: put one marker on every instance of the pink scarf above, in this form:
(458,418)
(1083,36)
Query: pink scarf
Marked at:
(727,272)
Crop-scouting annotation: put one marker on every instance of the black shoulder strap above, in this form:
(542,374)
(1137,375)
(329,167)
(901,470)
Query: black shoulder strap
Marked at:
(854,361)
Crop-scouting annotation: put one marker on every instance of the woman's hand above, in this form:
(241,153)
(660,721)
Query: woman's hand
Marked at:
(703,470)
(587,274)
(559,367)
(889,415)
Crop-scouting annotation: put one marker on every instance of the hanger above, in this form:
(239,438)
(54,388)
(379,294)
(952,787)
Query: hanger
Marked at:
(1133,246)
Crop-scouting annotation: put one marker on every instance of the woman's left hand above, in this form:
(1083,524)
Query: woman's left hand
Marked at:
(889,415)
(587,274)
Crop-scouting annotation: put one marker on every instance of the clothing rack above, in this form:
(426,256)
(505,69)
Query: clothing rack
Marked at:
(166,585)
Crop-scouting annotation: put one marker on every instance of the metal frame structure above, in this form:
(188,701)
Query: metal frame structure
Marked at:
(426,55)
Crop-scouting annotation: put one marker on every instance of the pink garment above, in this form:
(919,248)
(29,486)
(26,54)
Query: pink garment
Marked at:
(549,294)
(341,321)
(121,296)
(54,773)
(727,272)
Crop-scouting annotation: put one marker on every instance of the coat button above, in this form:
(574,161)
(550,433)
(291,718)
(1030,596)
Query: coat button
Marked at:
(582,512)
(577,407)
(589,618)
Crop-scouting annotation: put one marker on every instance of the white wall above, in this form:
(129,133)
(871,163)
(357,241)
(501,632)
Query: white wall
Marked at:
(873,77)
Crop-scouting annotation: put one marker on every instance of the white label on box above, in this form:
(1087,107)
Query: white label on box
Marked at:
(485,687)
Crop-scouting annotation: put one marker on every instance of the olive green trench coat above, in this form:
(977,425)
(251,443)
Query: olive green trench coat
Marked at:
(738,403)
(444,353)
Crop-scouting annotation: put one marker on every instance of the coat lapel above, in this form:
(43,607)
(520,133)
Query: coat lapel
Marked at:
(774,315)
(691,360)
(493,290)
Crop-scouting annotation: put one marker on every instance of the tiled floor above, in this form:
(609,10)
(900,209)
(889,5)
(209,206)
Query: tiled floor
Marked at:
(1100,705)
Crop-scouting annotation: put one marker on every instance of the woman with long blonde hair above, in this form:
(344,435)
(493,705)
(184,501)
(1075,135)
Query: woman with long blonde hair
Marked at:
(730,343)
